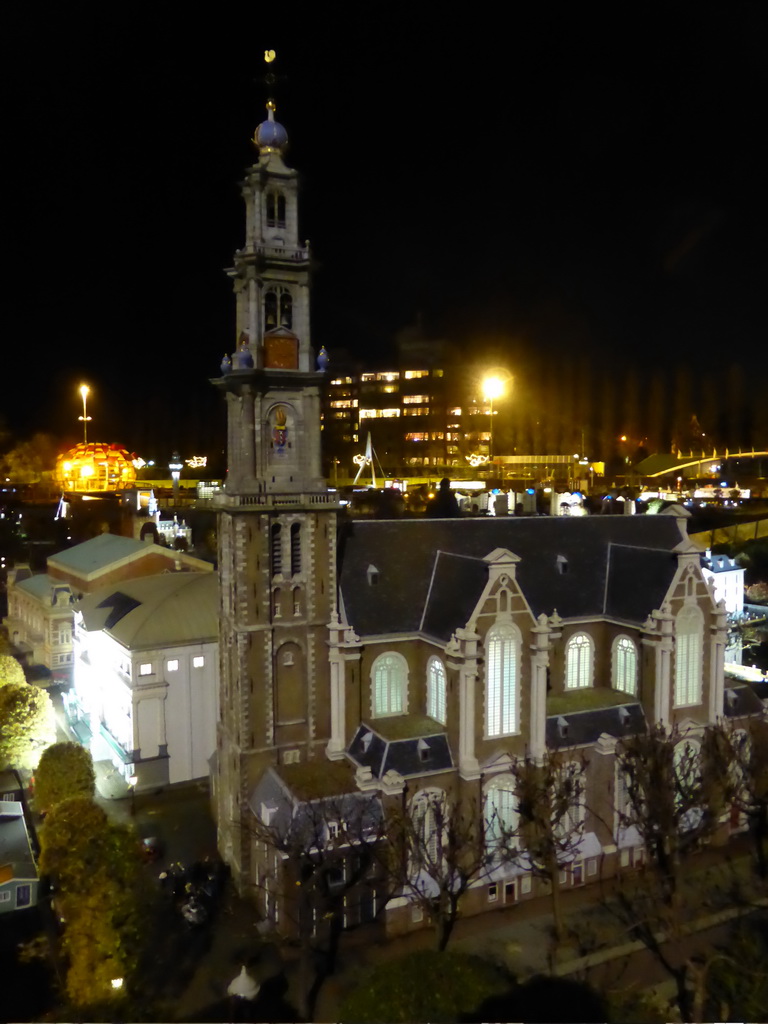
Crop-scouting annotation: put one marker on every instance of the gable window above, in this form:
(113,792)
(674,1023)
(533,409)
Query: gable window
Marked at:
(624,665)
(502,683)
(436,690)
(501,816)
(389,679)
(688,643)
(578,662)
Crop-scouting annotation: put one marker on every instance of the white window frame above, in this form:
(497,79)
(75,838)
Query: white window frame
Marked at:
(501,814)
(145,669)
(579,661)
(689,650)
(172,665)
(624,665)
(436,690)
(502,680)
(198,661)
(389,685)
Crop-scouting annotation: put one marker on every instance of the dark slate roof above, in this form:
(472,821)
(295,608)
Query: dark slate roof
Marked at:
(415,572)
(402,756)
(582,728)
(638,581)
(456,584)
(302,823)
(739,701)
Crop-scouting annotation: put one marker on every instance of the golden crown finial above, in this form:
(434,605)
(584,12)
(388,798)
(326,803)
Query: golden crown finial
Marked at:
(269,56)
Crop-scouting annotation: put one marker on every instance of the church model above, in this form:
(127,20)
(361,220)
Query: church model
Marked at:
(410,657)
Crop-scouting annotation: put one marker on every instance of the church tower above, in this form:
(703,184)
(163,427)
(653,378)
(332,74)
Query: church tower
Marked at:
(277,521)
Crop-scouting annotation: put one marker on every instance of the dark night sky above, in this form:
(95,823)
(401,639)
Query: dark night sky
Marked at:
(581,179)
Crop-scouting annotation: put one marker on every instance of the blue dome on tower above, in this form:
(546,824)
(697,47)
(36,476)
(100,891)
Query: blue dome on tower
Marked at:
(270,136)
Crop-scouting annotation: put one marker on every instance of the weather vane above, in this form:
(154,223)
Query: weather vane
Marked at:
(270,78)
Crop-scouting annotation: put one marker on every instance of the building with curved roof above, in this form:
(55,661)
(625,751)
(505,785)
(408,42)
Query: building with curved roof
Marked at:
(146,676)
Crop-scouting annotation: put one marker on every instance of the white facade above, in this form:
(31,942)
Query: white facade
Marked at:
(152,710)
(39,620)
(728,581)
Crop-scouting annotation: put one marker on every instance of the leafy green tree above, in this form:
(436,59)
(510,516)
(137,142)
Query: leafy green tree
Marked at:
(100,894)
(28,461)
(27,725)
(11,671)
(65,770)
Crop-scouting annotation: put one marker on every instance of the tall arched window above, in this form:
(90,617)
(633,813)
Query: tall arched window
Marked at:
(578,662)
(689,629)
(436,690)
(276,548)
(389,681)
(429,817)
(624,665)
(502,680)
(295,549)
(270,310)
(501,814)
(275,209)
(286,309)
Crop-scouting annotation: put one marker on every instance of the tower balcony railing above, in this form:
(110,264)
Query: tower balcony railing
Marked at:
(285,253)
(268,500)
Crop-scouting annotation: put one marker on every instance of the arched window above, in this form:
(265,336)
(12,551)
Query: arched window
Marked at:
(389,680)
(276,548)
(688,644)
(275,209)
(501,814)
(270,310)
(295,549)
(428,814)
(286,309)
(436,690)
(578,662)
(624,667)
(502,680)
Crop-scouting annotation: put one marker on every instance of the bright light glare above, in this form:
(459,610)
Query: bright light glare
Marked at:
(117,983)
(84,390)
(493,388)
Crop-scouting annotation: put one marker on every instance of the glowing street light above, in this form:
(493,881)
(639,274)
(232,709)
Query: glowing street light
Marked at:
(84,392)
(493,387)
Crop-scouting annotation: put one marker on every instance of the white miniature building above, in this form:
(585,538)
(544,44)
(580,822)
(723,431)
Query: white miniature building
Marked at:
(728,580)
(146,676)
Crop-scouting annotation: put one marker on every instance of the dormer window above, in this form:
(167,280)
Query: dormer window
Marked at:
(423,748)
(562,564)
(562,727)
(365,742)
(373,575)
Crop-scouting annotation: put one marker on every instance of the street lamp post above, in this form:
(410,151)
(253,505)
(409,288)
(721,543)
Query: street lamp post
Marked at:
(84,392)
(493,387)
(132,782)
(175,466)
